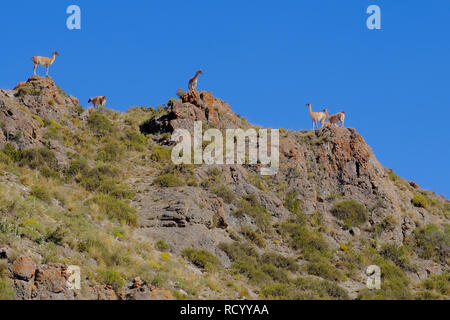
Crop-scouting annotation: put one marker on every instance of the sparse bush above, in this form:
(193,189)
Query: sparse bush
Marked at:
(116,209)
(302,238)
(112,278)
(28,90)
(436,287)
(111,151)
(105,179)
(202,259)
(292,203)
(6,291)
(41,193)
(101,125)
(304,289)
(169,181)
(162,246)
(419,201)
(225,193)
(351,212)
(181,93)
(322,267)
(254,237)
(279,261)
(38,119)
(251,207)
(396,254)
(161,154)
(41,159)
(432,243)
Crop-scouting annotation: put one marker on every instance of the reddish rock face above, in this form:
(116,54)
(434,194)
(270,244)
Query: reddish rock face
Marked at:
(24,268)
(21,108)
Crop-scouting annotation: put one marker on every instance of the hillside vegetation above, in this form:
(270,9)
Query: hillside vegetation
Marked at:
(98,190)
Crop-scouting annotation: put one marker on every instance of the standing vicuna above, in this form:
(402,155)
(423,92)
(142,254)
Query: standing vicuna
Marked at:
(316,117)
(98,102)
(193,82)
(335,118)
(44,61)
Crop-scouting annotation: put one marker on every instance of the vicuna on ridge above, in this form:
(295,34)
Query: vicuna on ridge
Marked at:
(335,118)
(44,61)
(98,102)
(193,82)
(316,117)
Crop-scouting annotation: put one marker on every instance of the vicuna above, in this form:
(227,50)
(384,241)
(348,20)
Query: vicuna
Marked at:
(316,117)
(193,82)
(44,61)
(335,118)
(98,102)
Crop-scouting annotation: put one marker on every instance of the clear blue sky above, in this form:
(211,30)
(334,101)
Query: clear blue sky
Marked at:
(266,58)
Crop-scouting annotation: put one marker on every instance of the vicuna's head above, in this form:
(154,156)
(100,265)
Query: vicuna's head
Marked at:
(56,53)
(200,71)
(325,110)
(308,105)
(90,100)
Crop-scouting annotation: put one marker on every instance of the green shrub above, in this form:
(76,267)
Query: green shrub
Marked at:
(100,124)
(6,291)
(393,177)
(238,251)
(432,243)
(111,151)
(322,267)
(41,193)
(253,236)
(28,90)
(41,159)
(162,246)
(38,119)
(436,287)
(351,212)
(161,155)
(258,269)
(419,201)
(302,238)
(279,261)
(105,179)
(250,206)
(292,203)
(396,254)
(225,193)
(134,140)
(77,166)
(11,152)
(304,289)
(116,209)
(112,278)
(169,181)
(202,259)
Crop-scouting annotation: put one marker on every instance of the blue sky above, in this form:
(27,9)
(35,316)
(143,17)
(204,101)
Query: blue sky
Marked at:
(267,59)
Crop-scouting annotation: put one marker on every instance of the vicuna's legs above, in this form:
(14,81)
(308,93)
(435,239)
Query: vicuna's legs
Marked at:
(35,66)
(47,71)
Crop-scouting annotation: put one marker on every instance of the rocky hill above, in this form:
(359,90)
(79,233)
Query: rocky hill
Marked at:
(99,191)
